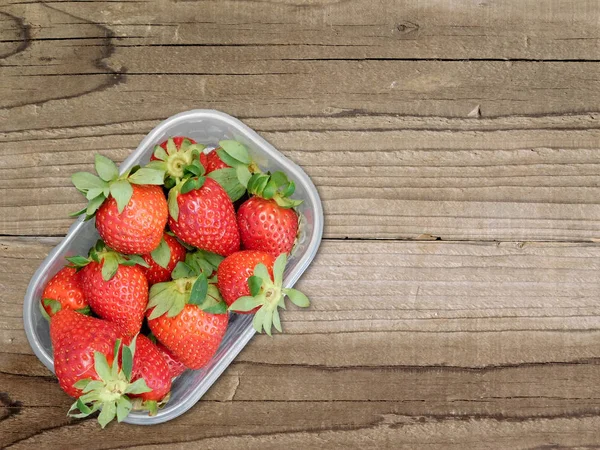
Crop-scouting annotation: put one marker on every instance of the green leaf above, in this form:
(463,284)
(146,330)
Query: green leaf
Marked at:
(84,181)
(93,193)
(279,268)
(54,305)
(139,386)
(212,258)
(297,297)
(108,413)
(124,407)
(160,153)
(230,161)
(246,303)
(173,205)
(105,168)
(101,366)
(94,204)
(259,319)
(162,307)
(116,349)
(276,320)
(162,254)
(44,312)
(86,310)
(192,184)
(193,170)
(78,213)
(267,322)
(94,385)
(156,165)
(133,260)
(261,271)
(110,266)
(148,176)
(199,290)
(236,150)
(228,179)
(218,308)
(255,283)
(286,202)
(171,147)
(78,261)
(243,175)
(289,189)
(182,270)
(121,191)
(269,190)
(127,360)
(177,305)
(279,178)
(81,384)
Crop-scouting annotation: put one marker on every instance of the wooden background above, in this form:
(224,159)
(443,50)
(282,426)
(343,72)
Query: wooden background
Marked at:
(456,147)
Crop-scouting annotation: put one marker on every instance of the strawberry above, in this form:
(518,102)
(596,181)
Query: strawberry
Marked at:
(114,286)
(212,162)
(202,215)
(163,260)
(188,316)
(250,281)
(234,271)
(130,213)
(63,291)
(150,364)
(266,226)
(139,227)
(267,221)
(75,337)
(178,158)
(176,367)
(93,366)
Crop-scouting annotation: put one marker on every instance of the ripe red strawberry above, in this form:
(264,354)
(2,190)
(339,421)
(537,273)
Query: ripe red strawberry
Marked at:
(75,337)
(139,228)
(188,316)
(150,364)
(212,162)
(234,271)
(131,212)
(267,221)
(93,366)
(63,291)
(176,367)
(202,215)
(115,287)
(192,335)
(169,254)
(266,226)
(250,281)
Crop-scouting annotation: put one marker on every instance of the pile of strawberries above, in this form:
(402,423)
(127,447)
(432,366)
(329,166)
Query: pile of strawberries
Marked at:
(185,240)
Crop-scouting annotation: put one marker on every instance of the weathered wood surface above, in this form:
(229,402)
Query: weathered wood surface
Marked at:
(477,123)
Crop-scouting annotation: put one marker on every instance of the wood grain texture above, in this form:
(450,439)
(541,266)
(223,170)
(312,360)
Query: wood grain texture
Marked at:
(439,335)
(477,123)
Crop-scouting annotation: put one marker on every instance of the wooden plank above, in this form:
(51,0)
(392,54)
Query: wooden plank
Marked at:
(405,342)
(515,178)
(331,29)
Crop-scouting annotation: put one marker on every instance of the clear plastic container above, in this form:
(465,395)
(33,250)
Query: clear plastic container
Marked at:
(208,127)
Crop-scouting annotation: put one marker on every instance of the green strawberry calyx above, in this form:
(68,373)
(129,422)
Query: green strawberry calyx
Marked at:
(109,259)
(177,163)
(108,182)
(234,179)
(109,394)
(193,283)
(275,186)
(269,295)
